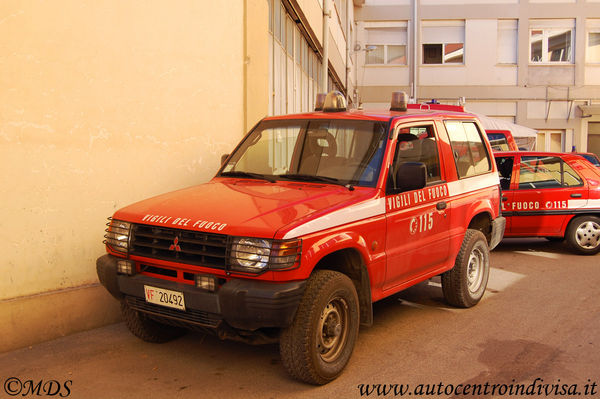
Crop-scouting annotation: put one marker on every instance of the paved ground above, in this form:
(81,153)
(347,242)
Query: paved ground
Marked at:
(539,319)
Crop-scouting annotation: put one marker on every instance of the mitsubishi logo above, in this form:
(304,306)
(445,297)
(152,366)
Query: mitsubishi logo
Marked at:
(175,246)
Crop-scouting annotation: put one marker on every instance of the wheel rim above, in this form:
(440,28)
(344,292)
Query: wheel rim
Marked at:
(475,269)
(332,332)
(587,235)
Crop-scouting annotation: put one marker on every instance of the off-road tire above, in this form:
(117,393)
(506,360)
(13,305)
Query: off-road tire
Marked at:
(464,284)
(583,234)
(147,329)
(317,346)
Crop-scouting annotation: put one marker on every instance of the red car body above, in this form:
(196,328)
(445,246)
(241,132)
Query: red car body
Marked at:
(236,255)
(502,140)
(548,194)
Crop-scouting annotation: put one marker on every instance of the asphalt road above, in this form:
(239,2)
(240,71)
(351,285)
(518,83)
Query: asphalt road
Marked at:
(539,323)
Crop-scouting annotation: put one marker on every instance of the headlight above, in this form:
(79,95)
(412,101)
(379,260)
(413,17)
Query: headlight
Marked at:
(117,235)
(255,255)
(250,254)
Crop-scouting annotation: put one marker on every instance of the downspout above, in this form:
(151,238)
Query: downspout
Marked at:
(325,66)
(415,44)
(348,40)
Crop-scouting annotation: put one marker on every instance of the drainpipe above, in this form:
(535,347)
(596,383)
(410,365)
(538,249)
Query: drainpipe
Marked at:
(325,66)
(348,41)
(415,37)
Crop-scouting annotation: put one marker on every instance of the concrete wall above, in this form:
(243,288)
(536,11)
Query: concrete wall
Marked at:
(102,104)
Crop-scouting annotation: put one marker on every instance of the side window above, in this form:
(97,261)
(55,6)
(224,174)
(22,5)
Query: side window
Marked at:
(505,166)
(546,172)
(470,154)
(418,144)
(570,177)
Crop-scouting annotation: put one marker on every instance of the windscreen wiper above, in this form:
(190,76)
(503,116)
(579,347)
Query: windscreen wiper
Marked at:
(315,178)
(239,173)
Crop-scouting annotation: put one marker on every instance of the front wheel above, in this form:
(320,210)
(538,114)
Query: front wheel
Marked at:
(464,284)
(583,235)
(317,346)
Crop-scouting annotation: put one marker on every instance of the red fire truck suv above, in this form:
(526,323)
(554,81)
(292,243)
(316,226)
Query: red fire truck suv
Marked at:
(552,195)
(311,219)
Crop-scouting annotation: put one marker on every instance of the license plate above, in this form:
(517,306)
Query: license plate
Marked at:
(168,298)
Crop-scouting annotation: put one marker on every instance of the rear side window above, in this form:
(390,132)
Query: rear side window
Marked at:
(470,153)
(546,172)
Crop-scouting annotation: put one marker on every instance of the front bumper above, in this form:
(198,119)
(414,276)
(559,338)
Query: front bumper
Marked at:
(242,304)
(498,226)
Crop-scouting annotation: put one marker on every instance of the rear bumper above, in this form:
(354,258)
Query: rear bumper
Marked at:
(242,304)
(498,226)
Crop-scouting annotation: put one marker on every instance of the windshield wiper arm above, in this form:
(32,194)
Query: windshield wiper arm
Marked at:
(239,173)
(304,177)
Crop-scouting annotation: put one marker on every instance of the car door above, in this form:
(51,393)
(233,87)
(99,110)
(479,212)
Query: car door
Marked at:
(417,239)
(506,165)
(540,202)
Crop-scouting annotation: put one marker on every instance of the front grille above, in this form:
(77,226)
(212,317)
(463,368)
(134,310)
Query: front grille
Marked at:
(181,246)
(174,316)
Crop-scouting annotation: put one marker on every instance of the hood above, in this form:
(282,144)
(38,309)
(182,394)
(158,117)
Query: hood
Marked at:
(243,207)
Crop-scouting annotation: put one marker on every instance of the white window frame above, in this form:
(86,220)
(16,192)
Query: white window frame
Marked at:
(385,54)
(431,34)
(587,41)
(402,25)
(443,52)
(548,26)
(592,26)
(508,38)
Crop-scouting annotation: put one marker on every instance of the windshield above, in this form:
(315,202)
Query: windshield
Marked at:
(592,158)
(332,151)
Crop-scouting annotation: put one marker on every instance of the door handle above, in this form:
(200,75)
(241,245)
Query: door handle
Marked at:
(575,195)
(440,206)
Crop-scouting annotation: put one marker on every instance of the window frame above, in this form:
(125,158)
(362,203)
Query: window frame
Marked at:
(587,46)
(545,37)
(385,55)
(562,172)
(443,52)
(432,128)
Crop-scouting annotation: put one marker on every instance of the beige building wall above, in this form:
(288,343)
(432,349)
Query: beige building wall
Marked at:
(544,96)
(102,104)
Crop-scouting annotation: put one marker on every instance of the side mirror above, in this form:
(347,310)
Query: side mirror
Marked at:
(411,176)
(224,158)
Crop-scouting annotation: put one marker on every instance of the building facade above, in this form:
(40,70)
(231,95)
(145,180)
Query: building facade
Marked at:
(532,62)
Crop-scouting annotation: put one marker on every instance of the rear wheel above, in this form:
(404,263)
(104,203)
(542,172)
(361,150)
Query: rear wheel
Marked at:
(318,344)
(583,234)
(464,285)
(147,329)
